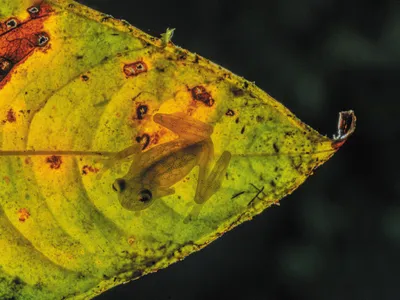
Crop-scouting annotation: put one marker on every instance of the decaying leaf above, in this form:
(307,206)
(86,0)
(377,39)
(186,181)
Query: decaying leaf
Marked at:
(98,119)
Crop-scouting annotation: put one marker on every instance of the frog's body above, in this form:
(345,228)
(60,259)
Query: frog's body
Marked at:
(153,172)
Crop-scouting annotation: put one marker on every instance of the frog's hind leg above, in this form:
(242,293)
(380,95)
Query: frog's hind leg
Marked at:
(186,127)
(208,185)
(214,180)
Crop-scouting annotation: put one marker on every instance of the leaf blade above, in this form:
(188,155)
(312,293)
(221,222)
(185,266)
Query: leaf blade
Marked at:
(101,102)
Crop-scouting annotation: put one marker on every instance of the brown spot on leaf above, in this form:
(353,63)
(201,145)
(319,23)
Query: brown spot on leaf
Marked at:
(6,179)
(199,93)
(237,92)
(276,148)
(11,117)
(86,169)
(54,161)
(131,240)
(42,39)
(144,140)
(5,67)
(135,68)
(39,10)
(141,110)
(34,11)
(23,215)
(182,56)
(230,113)
(12,23)
(259,119)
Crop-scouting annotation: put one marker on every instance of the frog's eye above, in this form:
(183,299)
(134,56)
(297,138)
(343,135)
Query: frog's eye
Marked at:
(119,185)
(145,196)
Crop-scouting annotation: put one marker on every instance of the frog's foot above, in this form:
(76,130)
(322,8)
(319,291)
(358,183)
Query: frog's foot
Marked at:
(208,187)
(118,158)
(194,213)
(106,163)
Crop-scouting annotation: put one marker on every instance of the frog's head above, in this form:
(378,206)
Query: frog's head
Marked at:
(132,195)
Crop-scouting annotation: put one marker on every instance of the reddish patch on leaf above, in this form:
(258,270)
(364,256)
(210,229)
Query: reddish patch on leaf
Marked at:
(6,179)
(156,139)
(28,160)
(199,93)
(11,117)
(135,68)
(89,169)
(54,161)
(19,39)
(23,215)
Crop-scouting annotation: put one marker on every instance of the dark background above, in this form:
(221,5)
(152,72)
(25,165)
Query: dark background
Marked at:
(338,235)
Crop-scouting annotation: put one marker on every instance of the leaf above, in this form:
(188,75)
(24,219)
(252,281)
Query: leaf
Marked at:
(76,87)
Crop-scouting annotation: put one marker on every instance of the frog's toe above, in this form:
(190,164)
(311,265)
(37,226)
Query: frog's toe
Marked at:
(106,165)
(194,213)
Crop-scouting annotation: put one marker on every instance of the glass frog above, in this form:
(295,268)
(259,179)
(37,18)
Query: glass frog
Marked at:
(154,172)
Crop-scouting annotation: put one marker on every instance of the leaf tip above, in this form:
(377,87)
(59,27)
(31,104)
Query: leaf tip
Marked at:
(346,127)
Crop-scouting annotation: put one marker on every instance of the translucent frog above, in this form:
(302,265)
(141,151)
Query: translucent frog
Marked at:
(154,172)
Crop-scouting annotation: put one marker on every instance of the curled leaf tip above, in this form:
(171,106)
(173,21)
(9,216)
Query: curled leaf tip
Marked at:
(346,127)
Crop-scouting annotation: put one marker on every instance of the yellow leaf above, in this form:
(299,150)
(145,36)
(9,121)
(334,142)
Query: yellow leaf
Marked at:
(122,153)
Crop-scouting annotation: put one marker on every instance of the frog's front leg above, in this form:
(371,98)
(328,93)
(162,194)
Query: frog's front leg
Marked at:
(119,157)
